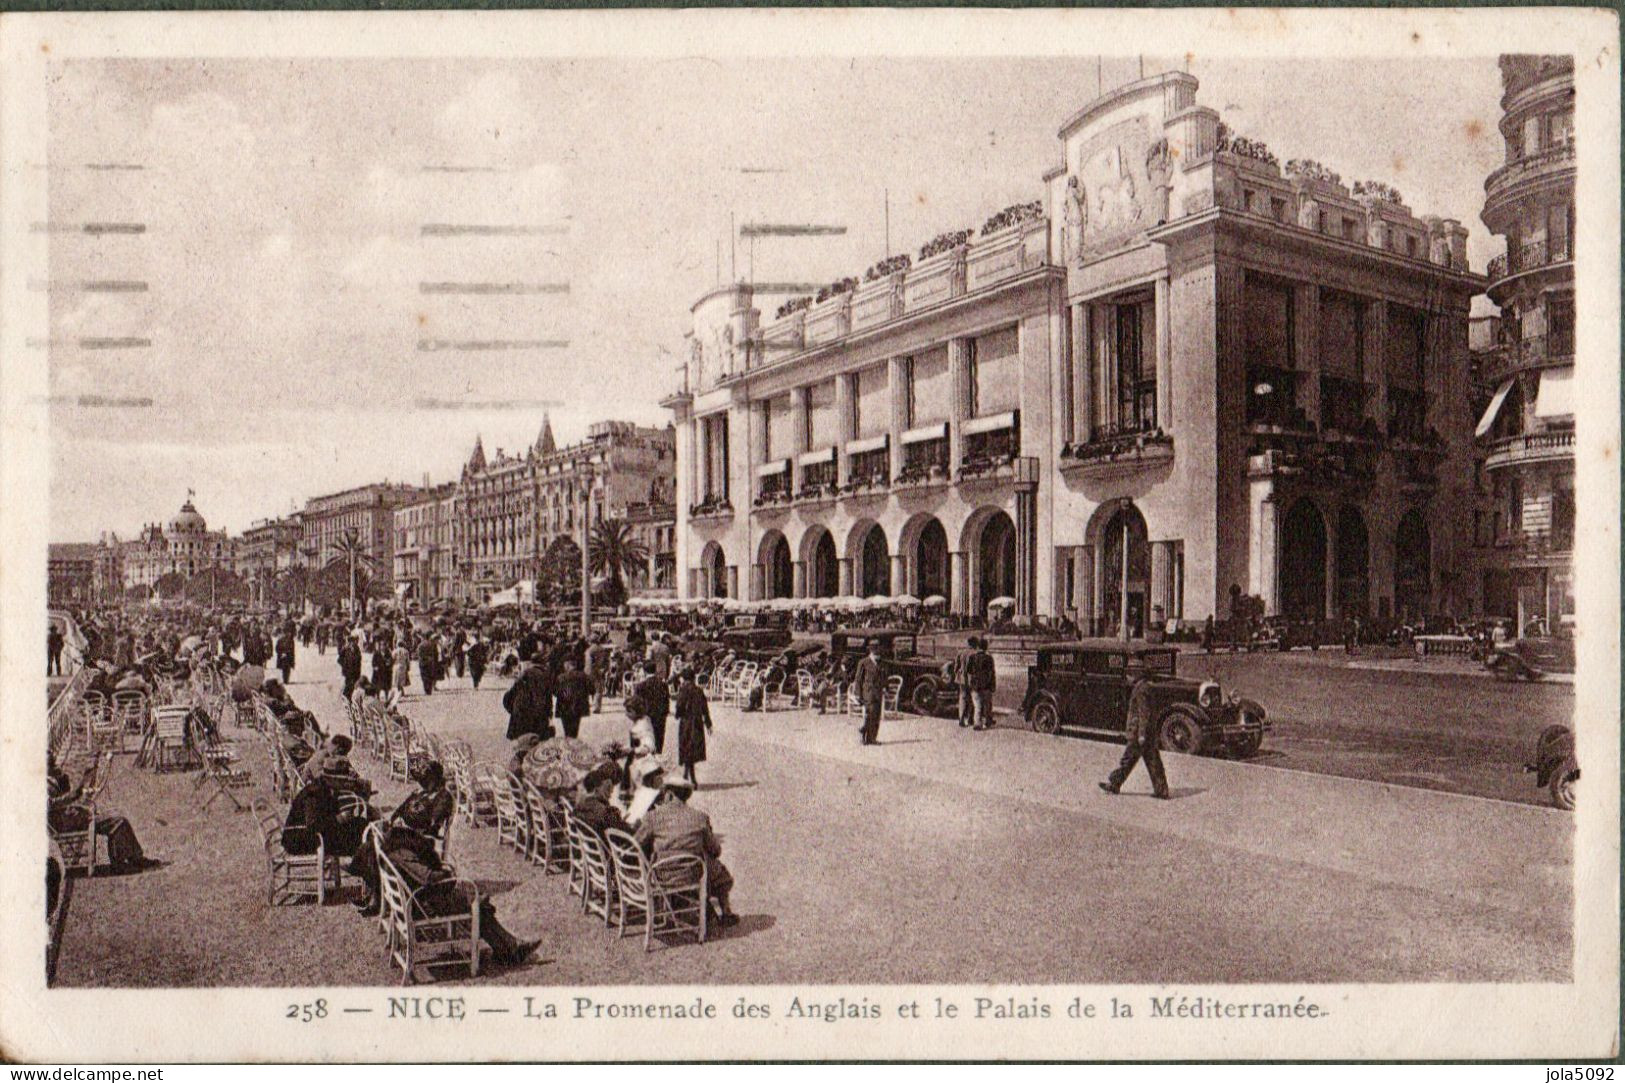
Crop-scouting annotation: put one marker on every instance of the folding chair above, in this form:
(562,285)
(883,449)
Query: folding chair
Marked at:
(669,895)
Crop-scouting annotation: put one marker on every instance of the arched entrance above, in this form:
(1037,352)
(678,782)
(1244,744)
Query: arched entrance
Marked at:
(931,561)
(823,569)
(875,565)
(1303,562)
(780,571)
(996,560)
(715,566)
(1353,564)
(1413,566)
(1125,573)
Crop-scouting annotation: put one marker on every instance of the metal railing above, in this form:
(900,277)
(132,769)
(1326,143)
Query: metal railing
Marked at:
(1530,447)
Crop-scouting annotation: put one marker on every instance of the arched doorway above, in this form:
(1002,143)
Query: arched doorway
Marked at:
(823,570)
(1353,564)
(1303,562)
(780,569)
(1413,566)
(875,564)
(1125,573)
(716,572)
(931,560)
(996,559)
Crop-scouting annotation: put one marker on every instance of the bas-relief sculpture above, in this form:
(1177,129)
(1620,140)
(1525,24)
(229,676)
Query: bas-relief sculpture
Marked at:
(1112,193)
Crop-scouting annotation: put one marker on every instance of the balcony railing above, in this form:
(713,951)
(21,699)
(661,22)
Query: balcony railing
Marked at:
(712,507)
(1528,257)
(1113,448)
(925,462)
(1528,166)
(1531,448)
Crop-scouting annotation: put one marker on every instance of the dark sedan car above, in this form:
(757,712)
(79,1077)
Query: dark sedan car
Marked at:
(1086,685)
(925,691)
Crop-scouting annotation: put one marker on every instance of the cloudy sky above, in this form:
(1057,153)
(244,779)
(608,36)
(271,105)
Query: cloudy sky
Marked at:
(307,258)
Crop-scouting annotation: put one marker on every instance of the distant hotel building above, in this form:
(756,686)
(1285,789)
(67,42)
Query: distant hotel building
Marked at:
(1183,370)
(70,569)
(366,513)
(265,551)
(425,545)
(1526,434)
(183,547)
(511,508)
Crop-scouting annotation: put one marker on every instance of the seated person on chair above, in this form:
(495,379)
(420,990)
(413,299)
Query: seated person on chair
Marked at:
(418,821)
(293,740)
(773,675)
(675,827)
(320,810)
(65,814)
(597,808)
(413,852)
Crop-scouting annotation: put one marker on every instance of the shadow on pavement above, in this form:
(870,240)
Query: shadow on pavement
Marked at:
(493,888)
(718,787)
(907,741)
(748,924)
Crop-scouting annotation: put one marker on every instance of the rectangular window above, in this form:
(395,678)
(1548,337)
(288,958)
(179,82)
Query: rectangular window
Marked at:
(1407,329)
(781,427)
(995,372)
(872,404)
(823,419)
(1278,208)
(1342,335)
(1559,324)
(1351,229)
(1269,323)
(930,388)
(1557,233)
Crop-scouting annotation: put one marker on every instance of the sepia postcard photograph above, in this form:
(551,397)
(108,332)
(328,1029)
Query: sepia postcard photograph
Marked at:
(795,534)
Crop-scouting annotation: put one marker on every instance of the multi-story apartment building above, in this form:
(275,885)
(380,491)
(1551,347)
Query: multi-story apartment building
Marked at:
(70,569)
(366,514)
(425,550)
(513,507)
(1185,373)
(265,551)
(1526,433)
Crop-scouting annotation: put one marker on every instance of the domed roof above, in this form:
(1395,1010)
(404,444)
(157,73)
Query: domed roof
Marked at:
(188,521)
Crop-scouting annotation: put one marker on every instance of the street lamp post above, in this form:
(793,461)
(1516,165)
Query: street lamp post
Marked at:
(352,537)
(586,560)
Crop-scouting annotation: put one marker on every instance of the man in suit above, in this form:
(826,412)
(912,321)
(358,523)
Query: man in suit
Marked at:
(574,697)
(652,702)
(675,827)
(982,679)
(1144,741)
(349,664)
(660,658)
(967,704)
(869,685)
(529,703)
(429,662)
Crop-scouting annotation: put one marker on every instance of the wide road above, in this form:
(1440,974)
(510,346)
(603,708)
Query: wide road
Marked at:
(940,856)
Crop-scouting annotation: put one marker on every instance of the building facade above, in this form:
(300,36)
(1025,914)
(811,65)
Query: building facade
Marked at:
(1185,373)
(425,550)
(1526,433)
(266,551)
(366,515)
(70,569)
(184,546)
(512,508)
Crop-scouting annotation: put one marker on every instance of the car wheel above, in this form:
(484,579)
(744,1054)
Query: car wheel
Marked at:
(1247,745)
(923,698)
(1044,718)
(1562,784)
(1181,732)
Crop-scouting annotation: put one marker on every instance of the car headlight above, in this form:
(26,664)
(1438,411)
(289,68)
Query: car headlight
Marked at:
(1209,696)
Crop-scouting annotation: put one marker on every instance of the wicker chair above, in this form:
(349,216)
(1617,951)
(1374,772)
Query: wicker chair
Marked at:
(668,895)
(419,940)
(513,812)
(293,877)
(549,843)
(131,710)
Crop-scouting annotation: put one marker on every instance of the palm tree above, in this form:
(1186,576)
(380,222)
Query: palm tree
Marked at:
(353,553)
(612,551)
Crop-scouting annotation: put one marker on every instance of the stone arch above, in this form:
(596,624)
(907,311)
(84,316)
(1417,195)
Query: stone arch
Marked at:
(1304,554)
(989,543)
(714,571)
(923,542)
(1120,542)
(823,569)
(778,568)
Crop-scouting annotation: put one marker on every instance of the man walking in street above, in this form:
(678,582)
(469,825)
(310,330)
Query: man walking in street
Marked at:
(1144,742)
(982,679)
(869,686)
(53,651)
(429,662)
(967,704)
(349,664)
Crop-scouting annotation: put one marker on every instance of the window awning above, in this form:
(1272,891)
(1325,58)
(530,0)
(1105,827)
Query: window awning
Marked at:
(1556,397)
(991,423)
(1487,422)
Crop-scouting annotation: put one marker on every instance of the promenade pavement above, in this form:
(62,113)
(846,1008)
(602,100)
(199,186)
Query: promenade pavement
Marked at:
(942,855)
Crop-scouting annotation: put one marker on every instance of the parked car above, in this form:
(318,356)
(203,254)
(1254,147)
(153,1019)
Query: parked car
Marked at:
(1531,658)
(1086,686)
(1555,768)
(756,634)
(924,689)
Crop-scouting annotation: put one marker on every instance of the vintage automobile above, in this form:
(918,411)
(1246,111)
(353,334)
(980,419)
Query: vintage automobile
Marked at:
(924,689)
(1086,685)
(1531,658)
(1282,633)
(1555,767)
(755,633)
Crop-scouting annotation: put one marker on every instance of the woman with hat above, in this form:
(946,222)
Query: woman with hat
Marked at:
(693,720)
(521,751)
